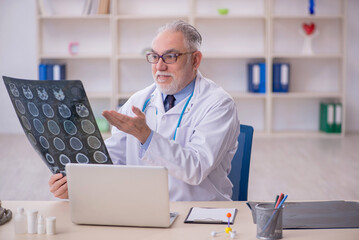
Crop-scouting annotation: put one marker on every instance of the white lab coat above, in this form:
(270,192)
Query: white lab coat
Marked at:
(199,159)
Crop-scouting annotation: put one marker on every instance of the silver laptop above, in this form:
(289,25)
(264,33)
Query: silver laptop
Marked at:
(119,195)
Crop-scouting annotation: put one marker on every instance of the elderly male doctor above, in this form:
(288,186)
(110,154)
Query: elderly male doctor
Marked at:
(183,122)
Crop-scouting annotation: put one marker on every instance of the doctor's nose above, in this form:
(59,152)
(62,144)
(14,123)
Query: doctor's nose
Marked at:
(161,65)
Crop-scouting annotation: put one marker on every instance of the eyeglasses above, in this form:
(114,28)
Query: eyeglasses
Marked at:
(168,58)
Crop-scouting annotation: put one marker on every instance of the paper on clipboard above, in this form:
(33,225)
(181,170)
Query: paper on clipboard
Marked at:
(210,215)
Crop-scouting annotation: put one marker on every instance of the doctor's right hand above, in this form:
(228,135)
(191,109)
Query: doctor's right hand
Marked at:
(58,186)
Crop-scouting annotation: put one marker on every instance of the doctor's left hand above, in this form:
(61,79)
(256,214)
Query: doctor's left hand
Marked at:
(135,126)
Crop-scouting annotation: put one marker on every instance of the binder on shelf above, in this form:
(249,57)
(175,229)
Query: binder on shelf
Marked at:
(338,118)
(281,77)
(104,7)
(256,77)
(52,71)
(87,7)
(59,72)
(42,72)
(49,72)
(330,117)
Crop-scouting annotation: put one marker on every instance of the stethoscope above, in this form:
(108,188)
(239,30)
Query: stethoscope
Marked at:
(5,215)
(180,118)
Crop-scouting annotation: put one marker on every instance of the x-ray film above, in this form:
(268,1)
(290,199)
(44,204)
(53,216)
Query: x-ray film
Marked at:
(58,121)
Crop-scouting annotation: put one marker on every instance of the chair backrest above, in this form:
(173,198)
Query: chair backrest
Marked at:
(239,174)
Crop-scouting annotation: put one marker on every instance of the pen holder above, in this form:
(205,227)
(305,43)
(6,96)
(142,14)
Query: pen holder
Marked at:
(269,221)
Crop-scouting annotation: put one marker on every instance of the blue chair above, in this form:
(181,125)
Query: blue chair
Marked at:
(239,174)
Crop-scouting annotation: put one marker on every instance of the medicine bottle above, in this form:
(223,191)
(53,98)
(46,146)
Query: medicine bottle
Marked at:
(20,221)
(41,225)
(51,225)
(32,221)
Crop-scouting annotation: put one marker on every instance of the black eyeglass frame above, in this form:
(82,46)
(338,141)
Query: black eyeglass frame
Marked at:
(163,56)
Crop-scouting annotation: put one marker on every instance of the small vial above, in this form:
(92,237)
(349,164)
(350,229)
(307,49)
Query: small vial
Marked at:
(32,221)
(51,225)
(41,225)
(20,221)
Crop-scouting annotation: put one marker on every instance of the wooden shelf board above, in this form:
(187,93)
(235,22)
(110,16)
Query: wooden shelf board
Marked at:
(309,95)
(229,17)
(304,133)
(307,17)
(78,56)
(314,56)
(149,17)
(74,17)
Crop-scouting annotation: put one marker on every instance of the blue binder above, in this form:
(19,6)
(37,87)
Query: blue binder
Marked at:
(257,77)
(42,71)
(281,76)
(49,72)
(59,72)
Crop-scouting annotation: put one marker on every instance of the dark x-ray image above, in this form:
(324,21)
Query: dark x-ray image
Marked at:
(58,121)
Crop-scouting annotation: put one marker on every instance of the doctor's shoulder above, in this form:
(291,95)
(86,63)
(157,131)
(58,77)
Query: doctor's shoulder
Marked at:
(214,95)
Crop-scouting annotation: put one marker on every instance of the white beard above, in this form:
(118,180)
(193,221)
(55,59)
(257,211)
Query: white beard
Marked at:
(170,89)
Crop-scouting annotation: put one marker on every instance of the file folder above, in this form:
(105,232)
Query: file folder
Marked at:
(327,117)
(281,72)
(338,118)
(256,77)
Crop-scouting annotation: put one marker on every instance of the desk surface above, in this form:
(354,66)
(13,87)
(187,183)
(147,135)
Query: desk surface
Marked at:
(243,225)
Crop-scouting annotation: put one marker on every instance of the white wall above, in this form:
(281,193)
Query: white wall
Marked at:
(17,53)
(18,57)
(352,114)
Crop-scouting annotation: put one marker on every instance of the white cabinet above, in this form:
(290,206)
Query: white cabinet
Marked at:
(112,65)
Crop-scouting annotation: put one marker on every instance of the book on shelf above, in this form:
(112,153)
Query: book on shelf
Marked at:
(330,117)
(52,71)
(93,7)
(104,7)
(256,77)
(281,77)
(44,8)
(87,7)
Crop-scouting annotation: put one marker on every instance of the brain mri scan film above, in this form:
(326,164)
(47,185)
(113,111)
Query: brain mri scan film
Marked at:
(57,119)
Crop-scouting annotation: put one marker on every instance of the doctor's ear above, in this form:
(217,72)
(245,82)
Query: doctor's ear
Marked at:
(197,57)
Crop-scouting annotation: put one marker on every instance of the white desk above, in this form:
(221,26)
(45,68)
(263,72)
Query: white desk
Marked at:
(243,224)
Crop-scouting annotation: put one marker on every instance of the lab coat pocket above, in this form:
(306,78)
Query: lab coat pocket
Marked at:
(183,135)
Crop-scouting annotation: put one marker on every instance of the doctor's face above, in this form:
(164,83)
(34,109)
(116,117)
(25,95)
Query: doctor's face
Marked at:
(171,78)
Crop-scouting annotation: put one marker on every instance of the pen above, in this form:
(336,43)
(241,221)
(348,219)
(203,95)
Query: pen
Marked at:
(279,200)
(276,200)
(274,213)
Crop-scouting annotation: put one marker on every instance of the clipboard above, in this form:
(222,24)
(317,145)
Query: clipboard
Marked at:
(203,215)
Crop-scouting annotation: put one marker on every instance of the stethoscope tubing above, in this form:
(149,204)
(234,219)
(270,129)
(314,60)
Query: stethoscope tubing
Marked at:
(181,116)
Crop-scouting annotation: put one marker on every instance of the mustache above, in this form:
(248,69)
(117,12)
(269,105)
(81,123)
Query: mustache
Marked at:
(164,73)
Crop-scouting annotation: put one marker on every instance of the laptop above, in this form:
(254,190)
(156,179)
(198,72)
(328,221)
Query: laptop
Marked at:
(119,195)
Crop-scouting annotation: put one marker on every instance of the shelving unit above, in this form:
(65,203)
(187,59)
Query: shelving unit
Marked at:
(112,65)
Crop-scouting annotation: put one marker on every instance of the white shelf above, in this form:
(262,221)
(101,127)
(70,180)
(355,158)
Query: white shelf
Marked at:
(79,17)
(246,95)
(306,17)
(226,17)
(232,55)
(313,56)
(303,134)
(113,65)
(77,56)
(149,17)
(307,95)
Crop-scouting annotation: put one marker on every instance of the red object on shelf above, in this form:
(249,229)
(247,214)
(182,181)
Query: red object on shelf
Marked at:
(309,28)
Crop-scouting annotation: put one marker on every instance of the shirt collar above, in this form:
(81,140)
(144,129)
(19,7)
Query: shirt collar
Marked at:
(183,93)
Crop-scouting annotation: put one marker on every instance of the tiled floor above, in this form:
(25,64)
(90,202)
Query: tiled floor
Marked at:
(305,169)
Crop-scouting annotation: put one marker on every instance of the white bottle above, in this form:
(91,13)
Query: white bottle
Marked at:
(51,225)
(32,221)
(20,221)
(41,225)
